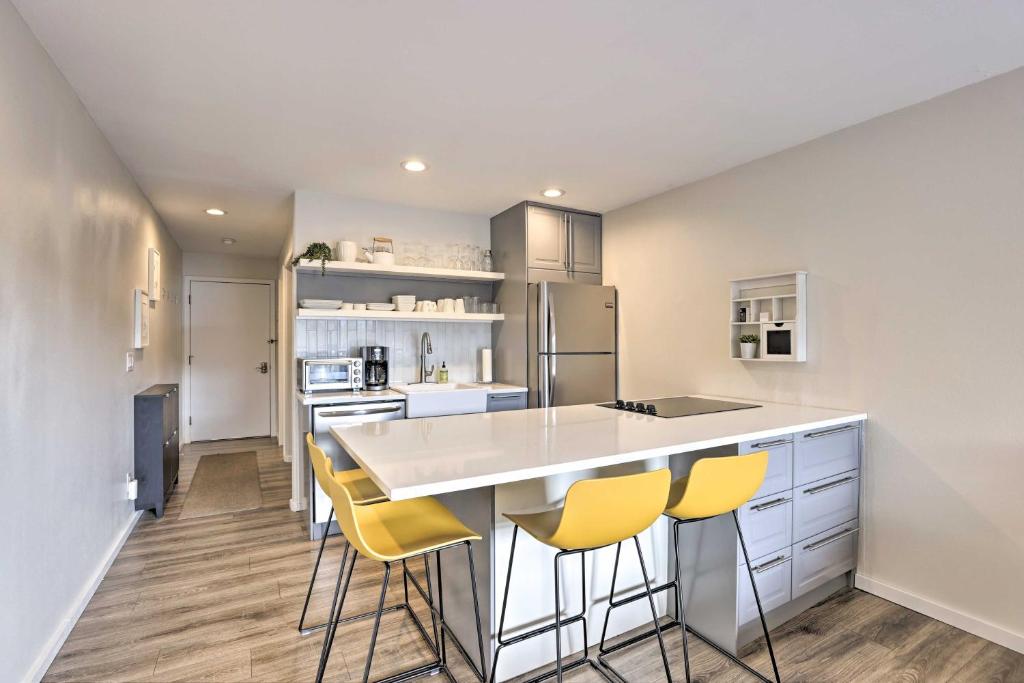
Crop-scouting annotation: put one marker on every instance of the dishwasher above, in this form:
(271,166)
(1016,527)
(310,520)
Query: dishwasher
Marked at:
(325,417)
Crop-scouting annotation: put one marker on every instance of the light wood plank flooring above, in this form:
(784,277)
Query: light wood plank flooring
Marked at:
(217,598)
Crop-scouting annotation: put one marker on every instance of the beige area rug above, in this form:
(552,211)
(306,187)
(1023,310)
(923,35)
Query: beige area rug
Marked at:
(223,482)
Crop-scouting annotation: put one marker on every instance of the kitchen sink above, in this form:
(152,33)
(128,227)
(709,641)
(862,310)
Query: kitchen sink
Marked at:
(453,398)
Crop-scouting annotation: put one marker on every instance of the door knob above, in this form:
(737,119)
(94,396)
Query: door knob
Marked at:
(263,368)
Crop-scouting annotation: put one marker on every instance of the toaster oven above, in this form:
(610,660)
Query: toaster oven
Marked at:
(330,374)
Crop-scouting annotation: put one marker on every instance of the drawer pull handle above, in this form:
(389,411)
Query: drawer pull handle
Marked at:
(831,539)
(770,444)
(829,432)
(504,397)
(772,564)
(770,504)
(831,485)
(361,411)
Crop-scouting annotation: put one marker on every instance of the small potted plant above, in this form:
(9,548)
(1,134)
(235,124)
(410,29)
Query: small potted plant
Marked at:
(316,251)
(748,345)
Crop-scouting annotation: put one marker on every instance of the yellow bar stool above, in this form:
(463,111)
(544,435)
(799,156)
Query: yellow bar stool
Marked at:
(715,486)
(363,492)
(397,531)
(597,513)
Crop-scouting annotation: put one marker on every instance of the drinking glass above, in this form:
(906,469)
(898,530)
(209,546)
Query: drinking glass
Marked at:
(435,256)
(454,256)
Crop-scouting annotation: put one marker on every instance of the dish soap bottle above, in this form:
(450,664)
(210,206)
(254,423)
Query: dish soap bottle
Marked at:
(442,374)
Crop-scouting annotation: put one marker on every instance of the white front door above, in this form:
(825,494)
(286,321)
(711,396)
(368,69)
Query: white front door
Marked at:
(230,328)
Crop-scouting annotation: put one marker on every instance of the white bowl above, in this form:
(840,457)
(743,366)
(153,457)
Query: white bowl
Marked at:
(325,304)
(406,307)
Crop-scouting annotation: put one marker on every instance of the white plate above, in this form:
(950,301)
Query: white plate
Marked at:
(380,307)
(330,304)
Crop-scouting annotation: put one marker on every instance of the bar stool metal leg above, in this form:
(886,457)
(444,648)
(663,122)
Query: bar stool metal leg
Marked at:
(680,612)
(376,621)
(757,597)
(612,603)
(336,607)
(654,611)
(309,592)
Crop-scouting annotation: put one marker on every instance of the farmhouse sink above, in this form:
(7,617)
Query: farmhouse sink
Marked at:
(430,400)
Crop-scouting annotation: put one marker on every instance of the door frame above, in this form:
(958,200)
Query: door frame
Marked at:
(186,345)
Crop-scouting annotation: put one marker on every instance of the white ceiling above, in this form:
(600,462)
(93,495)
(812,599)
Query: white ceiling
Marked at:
(234,103)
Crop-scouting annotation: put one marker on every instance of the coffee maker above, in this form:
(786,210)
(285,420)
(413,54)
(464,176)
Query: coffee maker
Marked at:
(375,368)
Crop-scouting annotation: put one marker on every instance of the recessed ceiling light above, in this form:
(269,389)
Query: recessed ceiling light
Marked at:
(553,193)
(217,212)
(414,165)
(227,240)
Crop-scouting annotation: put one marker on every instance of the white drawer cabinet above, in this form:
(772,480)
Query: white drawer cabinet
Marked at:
(824,504)
(822,453)
(823,557)
(773,574)
(779,476)
(767,525)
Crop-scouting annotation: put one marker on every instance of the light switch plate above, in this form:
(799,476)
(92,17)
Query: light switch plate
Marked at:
(129,361)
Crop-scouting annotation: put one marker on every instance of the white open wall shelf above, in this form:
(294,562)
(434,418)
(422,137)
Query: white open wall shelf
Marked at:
(409,272)
(783,297)
(331,314)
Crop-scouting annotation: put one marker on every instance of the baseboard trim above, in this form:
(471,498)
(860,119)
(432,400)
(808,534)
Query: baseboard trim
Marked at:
(297,505)
(948,615)
(286,455)
(56,642)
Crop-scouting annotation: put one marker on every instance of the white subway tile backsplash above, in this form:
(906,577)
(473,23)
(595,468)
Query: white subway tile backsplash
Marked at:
(456,344)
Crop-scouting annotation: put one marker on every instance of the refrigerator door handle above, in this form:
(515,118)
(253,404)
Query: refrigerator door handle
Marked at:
(542,318)
(549,312)
(553,365)
(542,381)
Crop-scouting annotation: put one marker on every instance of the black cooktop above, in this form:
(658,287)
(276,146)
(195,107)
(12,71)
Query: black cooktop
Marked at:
(677,406)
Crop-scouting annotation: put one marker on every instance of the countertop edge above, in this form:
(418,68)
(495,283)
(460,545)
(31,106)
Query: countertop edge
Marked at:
(455,485)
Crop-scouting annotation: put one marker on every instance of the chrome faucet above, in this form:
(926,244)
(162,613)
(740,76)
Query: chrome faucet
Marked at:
(425,349)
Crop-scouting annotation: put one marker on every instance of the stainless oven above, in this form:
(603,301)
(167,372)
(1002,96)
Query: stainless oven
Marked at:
(330,374)
(346,414)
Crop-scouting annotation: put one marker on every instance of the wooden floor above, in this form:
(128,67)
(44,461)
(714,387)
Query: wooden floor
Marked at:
(217,598)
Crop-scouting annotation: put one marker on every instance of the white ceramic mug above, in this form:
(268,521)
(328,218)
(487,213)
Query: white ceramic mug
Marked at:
(460,306)
(359,307)
(346,307)
(348,250)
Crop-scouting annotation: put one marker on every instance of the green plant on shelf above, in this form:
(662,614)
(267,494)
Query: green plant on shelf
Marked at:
(316,251)
(749,339)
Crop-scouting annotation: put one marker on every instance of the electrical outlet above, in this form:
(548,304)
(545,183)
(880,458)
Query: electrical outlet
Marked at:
(133,486)
(129,361)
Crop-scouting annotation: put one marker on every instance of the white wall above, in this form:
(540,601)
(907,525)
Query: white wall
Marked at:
(228,265)
(74,230)
(910,226)
(321,217)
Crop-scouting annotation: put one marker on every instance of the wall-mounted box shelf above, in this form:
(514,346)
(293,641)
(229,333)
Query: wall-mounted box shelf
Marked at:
(406,272)
(783,298)
(321,314)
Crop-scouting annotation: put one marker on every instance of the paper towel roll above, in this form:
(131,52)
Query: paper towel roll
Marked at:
(486,369)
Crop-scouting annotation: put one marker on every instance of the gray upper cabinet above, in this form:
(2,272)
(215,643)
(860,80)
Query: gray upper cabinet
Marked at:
(585,243)
(567,241)
(547,244)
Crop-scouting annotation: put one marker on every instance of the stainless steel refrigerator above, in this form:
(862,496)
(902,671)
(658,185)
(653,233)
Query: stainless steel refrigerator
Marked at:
(571,344)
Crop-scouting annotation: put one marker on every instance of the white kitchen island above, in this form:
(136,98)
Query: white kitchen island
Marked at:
(483,465)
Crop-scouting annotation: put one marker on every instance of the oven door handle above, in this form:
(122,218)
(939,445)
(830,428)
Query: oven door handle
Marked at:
(360,411)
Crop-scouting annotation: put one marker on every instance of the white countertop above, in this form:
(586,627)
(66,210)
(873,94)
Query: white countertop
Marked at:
(338,397)
(430,456)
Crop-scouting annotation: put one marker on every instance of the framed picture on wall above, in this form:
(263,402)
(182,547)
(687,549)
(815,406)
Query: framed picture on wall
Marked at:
(154,274)
(140,318)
